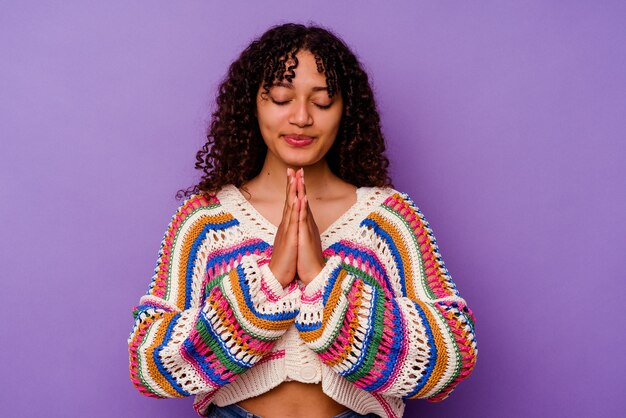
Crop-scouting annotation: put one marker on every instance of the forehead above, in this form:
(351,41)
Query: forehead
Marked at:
(306,72)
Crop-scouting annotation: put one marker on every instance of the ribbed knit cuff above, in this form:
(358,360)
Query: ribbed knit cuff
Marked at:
(319,281)
(272,283)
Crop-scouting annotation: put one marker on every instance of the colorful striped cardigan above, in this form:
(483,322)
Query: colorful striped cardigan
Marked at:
(382,322)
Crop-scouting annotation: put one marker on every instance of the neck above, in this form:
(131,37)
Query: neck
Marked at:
(273,177)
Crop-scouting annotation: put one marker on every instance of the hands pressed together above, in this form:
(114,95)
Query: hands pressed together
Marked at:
(297,247)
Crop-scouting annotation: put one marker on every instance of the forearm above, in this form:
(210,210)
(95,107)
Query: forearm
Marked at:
(385,344)
(201,349)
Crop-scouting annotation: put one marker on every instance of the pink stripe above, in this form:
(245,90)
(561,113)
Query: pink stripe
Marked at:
(385,405)
(193,362)
(271,296)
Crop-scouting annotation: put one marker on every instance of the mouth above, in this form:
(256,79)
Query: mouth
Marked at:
(298,140)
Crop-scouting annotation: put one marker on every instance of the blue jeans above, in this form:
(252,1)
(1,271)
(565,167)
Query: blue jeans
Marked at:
(235,411)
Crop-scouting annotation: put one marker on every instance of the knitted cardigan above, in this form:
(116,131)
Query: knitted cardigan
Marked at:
(382,321)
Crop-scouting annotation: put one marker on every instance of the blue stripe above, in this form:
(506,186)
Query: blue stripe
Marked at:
(398,339)
(204,365)
(225,256)
(373,261)
(193,254)
(217,338)
(330,284)
(369,332)
(243,283)
(148,306)
(432,360)
(304,327)
(156,354)
(392,247)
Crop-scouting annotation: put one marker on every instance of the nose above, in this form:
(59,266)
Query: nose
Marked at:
(301,116)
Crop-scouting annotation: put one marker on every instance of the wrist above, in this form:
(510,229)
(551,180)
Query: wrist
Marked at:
(312,273)
(281,277)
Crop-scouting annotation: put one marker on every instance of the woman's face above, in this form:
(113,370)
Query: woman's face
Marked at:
(298,121)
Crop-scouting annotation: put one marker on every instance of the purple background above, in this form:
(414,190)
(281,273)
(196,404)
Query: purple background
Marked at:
(504,121)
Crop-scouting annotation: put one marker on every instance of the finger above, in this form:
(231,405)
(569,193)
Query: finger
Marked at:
(302,216)
(300,183)
(293,187)
(288,194)
(308,223)
(293,218)
(310,220)
(286,205)
(303,236)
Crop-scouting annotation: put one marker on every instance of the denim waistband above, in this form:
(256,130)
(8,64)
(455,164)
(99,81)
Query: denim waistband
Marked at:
(230,411)
(235,411)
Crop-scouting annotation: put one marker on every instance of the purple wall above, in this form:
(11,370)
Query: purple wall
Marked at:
(505,122)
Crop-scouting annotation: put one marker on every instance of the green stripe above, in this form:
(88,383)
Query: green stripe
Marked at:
(423,281)
(139,370)
(372,349)
(216,348)
(368,279)
(456,351)
(240,319)
(175,240)
(335,333)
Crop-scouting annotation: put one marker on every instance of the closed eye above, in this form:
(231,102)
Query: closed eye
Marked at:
(280,103)
(284,102)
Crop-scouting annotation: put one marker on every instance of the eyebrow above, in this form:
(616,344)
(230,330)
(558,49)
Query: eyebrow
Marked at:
(290,86)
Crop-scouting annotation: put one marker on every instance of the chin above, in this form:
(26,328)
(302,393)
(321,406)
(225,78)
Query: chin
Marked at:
(300,160)
(299,163)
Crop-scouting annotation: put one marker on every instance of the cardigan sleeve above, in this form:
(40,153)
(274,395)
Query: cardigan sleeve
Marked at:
(213,309)
(385,314)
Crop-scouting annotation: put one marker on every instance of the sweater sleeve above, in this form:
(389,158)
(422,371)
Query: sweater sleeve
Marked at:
(385,314)
(213,309)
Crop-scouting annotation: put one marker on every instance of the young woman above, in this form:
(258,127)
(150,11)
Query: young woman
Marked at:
(256,312)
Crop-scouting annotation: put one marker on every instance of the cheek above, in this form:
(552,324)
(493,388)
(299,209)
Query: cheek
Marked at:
(332,121)
(269,120)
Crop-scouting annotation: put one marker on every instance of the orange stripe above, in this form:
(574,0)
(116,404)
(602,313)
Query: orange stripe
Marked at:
(224,320)
(251,317)
(153,371)
(403,249)
(189,239)
(354,324)
(160,286)
(442,353)
(333,301)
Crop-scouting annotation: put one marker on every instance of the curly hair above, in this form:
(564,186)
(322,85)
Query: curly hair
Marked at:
(235,151)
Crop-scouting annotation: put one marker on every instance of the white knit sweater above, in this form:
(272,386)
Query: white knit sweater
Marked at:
(383,321)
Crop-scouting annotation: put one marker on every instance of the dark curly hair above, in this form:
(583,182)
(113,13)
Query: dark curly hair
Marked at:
(235,151)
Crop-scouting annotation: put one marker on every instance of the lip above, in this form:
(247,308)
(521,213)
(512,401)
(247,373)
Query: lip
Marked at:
(298,140)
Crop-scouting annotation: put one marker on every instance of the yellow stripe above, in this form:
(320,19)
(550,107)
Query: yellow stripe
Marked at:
(333,301)
(224,320)
(354,324)
(403,249)
(251,317)
(189,239)
(153,371)
(442,353)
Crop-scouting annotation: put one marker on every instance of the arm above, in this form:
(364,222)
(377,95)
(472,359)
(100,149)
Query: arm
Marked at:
(213,309)
(385,314)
